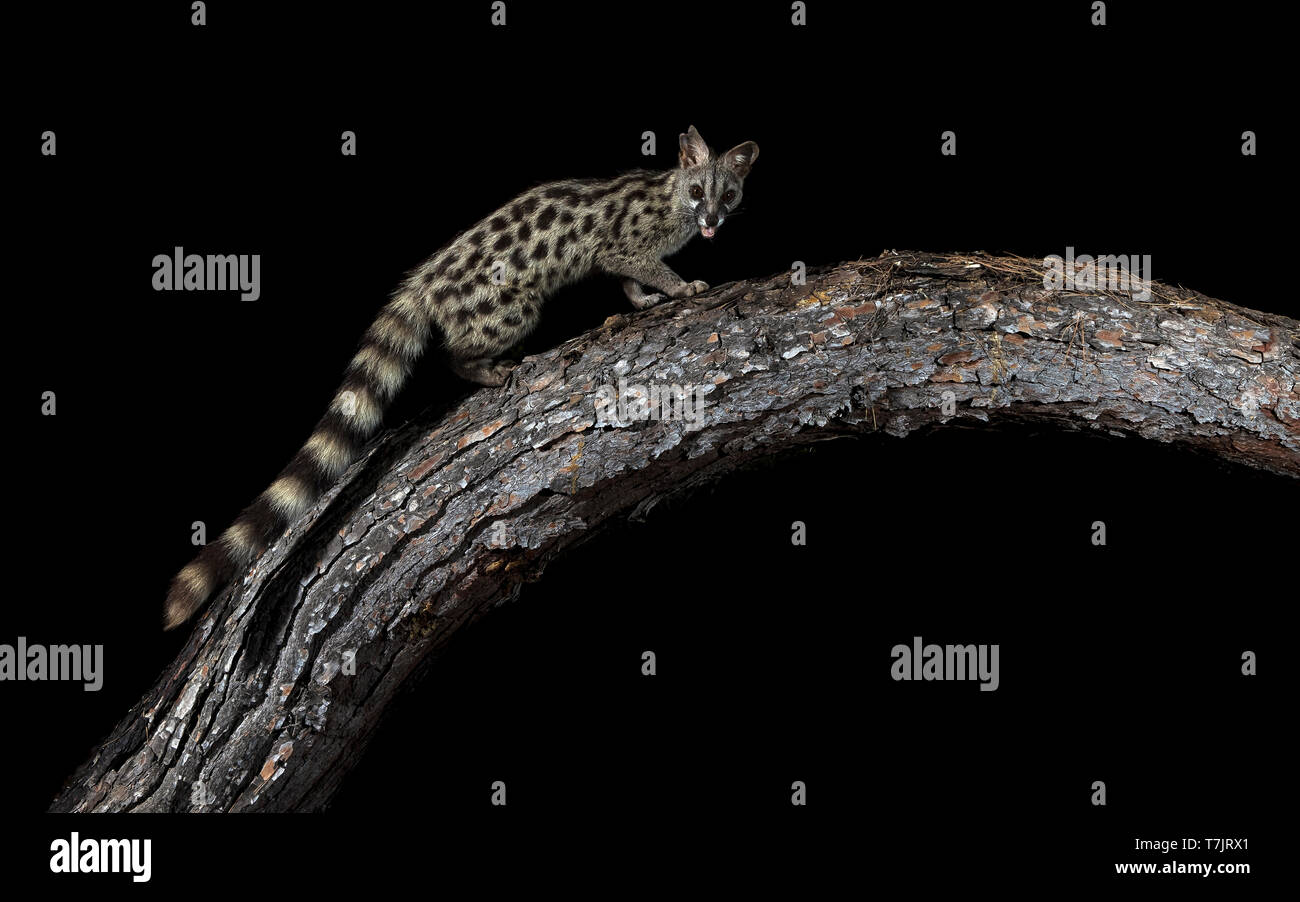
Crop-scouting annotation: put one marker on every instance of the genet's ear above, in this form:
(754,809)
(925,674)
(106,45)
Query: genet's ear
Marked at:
(694,151)
(741,157)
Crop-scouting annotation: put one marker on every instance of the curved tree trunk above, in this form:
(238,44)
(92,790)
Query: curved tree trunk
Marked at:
(273,698)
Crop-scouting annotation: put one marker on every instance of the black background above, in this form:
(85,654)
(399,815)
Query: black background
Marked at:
(1118,663)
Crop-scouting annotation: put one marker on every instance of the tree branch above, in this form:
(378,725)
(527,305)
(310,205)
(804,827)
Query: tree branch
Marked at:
(272,700)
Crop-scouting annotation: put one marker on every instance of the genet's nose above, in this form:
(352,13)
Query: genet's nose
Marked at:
(711,220)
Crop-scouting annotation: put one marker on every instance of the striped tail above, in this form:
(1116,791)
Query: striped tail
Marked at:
(374,377)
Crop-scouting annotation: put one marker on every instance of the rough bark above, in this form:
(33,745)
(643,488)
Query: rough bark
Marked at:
(445,518)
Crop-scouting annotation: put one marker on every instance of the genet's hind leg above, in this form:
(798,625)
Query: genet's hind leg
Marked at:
(483,370)
(478,335)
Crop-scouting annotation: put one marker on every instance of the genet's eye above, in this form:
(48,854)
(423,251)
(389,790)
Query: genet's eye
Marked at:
(697,192)
(729,197)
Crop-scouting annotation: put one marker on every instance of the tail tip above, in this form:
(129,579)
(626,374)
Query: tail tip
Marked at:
(173,616)
(189,590)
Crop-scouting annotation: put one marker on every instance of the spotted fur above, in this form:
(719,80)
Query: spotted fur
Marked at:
(483,293)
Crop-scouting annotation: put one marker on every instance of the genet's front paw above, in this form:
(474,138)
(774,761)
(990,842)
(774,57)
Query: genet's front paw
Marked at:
(689,289)
(647,300)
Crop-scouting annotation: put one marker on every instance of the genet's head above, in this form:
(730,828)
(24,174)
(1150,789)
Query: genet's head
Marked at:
(711,186)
